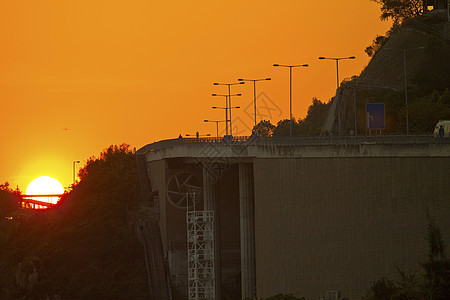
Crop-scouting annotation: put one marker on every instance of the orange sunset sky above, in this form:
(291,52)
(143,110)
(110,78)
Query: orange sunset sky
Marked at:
(139,71)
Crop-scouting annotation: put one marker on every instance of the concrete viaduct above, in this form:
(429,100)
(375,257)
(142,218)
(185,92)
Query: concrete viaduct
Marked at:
(313,217)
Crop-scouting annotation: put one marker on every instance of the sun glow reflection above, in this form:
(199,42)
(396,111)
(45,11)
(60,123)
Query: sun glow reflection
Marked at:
(45,185)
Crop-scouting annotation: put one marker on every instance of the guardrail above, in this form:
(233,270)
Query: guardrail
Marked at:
(40,201)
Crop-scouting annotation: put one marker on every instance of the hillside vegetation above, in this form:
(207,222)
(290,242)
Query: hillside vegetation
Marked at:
(426,40)
(84,248)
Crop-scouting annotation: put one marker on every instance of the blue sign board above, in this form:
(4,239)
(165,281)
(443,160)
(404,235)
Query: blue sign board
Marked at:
(375,116)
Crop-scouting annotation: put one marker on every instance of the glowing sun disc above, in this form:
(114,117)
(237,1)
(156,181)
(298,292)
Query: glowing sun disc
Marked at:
(45,185)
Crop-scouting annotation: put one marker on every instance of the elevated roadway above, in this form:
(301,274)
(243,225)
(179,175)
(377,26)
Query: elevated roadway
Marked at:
(306,216)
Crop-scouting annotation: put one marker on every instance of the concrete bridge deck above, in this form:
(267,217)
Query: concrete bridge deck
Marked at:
(302,216)
(345,146)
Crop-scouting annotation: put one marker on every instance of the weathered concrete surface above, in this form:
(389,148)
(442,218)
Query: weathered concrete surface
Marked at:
(341,223)
(268,150)
(328,214)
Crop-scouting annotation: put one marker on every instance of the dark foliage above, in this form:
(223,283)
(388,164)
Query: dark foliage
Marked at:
(309,126)
(85,247)
(377,43)
(264,129)
(399,10)
(434,284)
(9,200)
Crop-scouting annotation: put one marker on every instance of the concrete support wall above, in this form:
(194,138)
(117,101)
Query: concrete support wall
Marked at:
(247,222)
(325,224)
(326,216)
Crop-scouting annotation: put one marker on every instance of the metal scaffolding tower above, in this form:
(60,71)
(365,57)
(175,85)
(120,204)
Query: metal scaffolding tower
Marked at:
(200,240)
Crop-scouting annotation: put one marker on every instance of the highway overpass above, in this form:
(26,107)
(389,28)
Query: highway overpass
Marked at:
(312,217)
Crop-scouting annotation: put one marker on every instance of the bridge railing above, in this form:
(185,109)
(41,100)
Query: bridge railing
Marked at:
(299,140)
(40,201)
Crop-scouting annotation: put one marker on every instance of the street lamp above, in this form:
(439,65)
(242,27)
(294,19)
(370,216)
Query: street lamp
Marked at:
(73,168)
(337,59)
(217,125)
(226,108)
(229,98)
(290,90)
(254,90)
(406,84)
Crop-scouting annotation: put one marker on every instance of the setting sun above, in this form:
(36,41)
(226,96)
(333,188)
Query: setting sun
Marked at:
(45,185)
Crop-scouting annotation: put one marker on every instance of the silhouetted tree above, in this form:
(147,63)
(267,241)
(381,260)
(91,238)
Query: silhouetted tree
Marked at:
(377,43)
(434,284)
(282,128)
(399,10)
(437,268)
(9,200)
(313,122)
(86,246)
(382,289)
(310,125)
(264,129)
(426,111)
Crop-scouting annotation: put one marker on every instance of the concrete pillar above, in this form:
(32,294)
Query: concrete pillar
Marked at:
(247,214)
(210,202)
(209,189)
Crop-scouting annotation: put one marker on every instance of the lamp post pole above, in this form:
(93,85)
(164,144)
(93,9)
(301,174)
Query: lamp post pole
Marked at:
(290,90)
(337,59)
(406,80)
(226,111)
(73,168)
(229,99)
(254,91)
(227,107)
(217,125)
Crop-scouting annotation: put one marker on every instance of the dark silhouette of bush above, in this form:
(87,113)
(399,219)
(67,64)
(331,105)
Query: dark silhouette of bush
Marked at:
(85,247)
(9,200)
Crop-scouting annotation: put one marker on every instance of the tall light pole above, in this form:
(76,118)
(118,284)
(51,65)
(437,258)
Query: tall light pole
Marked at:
(229,98)
(290,90)
(406,81)
(226,110)
(217,125)
(254,91)
(337,59)
(73,168)
(227,107)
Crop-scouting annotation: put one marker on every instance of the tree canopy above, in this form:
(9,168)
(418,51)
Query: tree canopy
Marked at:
(86,247)
(399,10)
(434,284)
(9,200)
(310,125)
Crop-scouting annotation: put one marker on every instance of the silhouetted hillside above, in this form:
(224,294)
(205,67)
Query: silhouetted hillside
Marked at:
(426,43)
(84,248)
